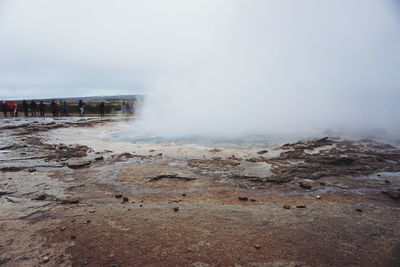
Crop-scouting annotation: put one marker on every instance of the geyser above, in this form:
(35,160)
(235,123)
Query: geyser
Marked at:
(273,67)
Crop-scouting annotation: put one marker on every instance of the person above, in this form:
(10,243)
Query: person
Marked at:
(102,107)
(61,105)
(54,108)
(41,109)
(65,108)
(15,109)
(33,107)
(10,107)
(123,107)
(4,108)
(25,107)
(81,107)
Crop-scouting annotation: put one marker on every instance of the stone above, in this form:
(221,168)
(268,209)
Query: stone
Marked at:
(99,158)
(387,182)
(77,163)
(305,184)
(318,197)
(118,196)
(45,259)
(125,199)
(262,152)
(321,183)
(73,237)
(176,209)
(395,194)
(69,200)
(286,206)
(252,200)
(184,195)
(257,246)
(243,198)
(40,197)
(31,170)
(301,206)
(359,210)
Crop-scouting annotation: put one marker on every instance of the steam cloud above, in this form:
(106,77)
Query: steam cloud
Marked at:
(282,67)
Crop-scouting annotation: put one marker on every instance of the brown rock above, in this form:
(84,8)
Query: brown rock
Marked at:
(176,209)
(286,206)
(69,200)
(301,206)
(262,152)
(395,194)
(243,198)
(305,184)
(118,196)
(125,199)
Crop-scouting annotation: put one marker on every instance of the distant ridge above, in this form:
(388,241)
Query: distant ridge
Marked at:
(111,97)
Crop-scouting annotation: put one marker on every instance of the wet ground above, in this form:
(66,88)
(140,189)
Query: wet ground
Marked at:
(71,196)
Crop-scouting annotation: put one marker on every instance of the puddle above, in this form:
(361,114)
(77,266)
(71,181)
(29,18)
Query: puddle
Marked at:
(37,215)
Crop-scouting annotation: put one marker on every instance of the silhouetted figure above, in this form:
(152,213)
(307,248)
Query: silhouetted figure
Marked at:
(61,110)
(102,108)
(65,108)
(81,107)
(41,108)
(25,108)
(4,108)
(33,108)
(54,108)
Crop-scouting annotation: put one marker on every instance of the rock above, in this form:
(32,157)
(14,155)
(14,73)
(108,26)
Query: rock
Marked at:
(321,183)
(262,152)
(125,199)
(279,180)
(243,198)
(305,184)
(73,237)
(387,182)
(341,161)
(31,170)
(215,150)
(395,194)
(45,259)
(286,206)
(176,209)
(118,196)
(184,195)
(69,200)
(99,158)
(252,200)
(63,228)
(318,197)
(301,206)
(359,210)
(77,163)
(87,221)
(257,246)
(40,197)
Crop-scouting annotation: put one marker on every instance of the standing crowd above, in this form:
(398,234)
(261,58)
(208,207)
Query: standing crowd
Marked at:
(57,108)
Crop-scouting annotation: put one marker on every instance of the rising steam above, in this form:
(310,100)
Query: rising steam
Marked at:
(261,67)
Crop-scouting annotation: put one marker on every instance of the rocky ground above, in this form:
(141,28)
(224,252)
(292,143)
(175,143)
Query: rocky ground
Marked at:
(71,198)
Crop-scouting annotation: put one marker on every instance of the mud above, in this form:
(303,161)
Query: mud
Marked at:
(323,202)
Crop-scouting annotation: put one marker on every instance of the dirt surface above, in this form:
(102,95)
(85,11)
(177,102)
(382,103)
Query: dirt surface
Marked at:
(70,196)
